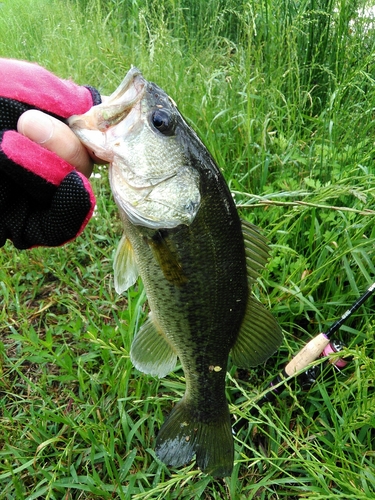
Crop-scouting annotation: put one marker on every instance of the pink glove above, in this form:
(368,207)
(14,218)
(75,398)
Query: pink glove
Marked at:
(43,199)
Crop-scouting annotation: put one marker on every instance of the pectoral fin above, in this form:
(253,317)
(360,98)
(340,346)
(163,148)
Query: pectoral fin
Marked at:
(167,258)
(125,267)
(151,352)
(259,336)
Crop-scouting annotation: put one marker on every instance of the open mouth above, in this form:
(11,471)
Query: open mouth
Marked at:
(115,108)
(124,98)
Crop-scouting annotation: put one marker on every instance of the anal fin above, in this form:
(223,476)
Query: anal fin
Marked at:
(151,352)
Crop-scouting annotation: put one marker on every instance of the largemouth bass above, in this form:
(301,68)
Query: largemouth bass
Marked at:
(197,260)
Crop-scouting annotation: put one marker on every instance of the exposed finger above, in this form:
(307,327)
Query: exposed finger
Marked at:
(55,136)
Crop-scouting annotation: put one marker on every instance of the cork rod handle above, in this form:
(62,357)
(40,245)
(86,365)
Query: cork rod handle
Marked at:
(311,351)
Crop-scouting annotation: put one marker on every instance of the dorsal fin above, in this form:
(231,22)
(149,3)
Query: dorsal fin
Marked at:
(256,248)
(259,335)
(258,338)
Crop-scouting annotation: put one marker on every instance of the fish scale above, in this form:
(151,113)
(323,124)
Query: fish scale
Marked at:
(197,260)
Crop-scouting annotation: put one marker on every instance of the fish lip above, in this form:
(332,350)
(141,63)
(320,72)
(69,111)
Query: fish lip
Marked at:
(119,104)
(133,75)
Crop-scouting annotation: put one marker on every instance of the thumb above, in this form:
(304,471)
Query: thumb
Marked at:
(57,137)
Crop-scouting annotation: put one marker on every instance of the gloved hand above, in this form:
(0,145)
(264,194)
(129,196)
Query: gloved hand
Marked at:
(43,199)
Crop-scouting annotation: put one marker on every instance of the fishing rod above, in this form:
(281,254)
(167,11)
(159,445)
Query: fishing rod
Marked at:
(321,344)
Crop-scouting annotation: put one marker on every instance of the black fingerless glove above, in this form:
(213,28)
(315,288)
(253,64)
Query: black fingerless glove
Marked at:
(43,199)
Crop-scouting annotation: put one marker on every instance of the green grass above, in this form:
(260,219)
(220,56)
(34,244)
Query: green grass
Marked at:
(283,95)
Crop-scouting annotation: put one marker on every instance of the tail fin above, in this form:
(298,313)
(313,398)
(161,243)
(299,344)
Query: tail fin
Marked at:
(181,436)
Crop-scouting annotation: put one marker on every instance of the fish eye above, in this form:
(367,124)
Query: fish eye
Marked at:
(162,121)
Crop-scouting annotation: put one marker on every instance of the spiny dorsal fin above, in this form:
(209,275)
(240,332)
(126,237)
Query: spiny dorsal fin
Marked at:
(258,338)
(151,352)
(124,265)
(256,248)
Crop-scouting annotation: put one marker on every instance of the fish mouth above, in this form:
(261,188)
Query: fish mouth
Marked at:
(122,101)
(114,108)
